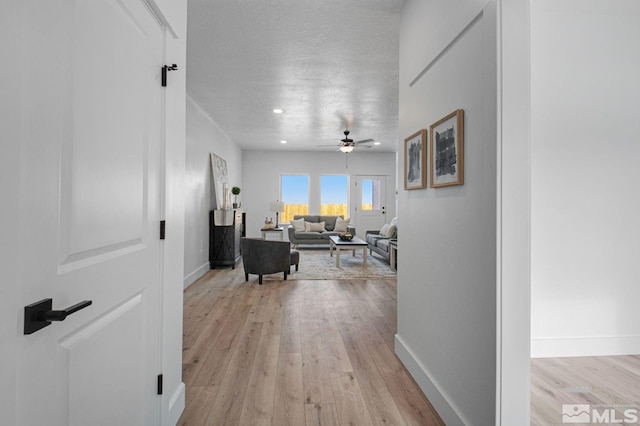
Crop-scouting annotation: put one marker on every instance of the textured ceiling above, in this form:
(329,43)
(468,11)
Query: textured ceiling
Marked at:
(326,63)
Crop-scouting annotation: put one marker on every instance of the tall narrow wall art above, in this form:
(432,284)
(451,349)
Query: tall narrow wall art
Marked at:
(220,181)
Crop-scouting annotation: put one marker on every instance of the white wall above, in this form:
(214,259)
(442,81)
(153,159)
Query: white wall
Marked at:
(204,137)
(585,200)
(262,170)
(447,262)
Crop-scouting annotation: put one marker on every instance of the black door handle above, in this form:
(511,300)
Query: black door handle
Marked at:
(61,315)
(39,315)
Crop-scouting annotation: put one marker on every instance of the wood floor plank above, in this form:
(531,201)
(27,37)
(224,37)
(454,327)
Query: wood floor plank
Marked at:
(316,381)
(290,329)
(320,415)
(335,352)
(227,408)
(272,320)
(259,400)
(289,409)
(415,408)
(215,359)
(199,401)
(405,392)
(317,352)
(381,405)
(602,382)
(350,406)
(209,327)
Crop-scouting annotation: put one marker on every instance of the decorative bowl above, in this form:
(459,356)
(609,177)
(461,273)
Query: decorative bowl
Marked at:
(346,236)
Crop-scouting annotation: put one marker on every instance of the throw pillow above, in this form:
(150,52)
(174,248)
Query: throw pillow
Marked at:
(298,225)
(384,229)
(314,227)
(341,225)
(391,231)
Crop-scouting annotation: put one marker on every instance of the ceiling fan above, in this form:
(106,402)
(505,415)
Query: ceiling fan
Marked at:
(347,145)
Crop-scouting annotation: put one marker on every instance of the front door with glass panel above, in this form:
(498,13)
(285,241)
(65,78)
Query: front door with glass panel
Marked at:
(369,193)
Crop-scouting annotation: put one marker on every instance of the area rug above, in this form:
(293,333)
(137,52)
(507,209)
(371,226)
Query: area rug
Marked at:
(316,264)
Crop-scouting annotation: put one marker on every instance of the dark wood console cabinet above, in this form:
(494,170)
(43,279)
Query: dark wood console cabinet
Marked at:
(225,231)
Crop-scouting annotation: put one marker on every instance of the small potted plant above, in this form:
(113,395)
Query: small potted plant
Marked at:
(235,191)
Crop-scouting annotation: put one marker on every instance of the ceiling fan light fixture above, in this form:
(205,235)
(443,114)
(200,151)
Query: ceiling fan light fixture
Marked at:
(346,149)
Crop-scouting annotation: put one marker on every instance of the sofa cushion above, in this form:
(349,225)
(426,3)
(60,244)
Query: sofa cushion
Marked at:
(314,227)
(307,217)
(391,231)
(341,225)
(384,229)
(383,243)
(308,235)
(329,222)
(298,224)
(326,234)
(372,238)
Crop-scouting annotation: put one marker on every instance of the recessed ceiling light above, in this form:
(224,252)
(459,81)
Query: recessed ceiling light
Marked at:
(376,143)
(283,141)
(277,111)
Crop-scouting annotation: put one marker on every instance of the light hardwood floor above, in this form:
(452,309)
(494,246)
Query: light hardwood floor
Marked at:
(602,382)
(313,352)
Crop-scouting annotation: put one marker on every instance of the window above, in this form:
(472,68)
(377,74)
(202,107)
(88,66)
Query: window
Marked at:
(334,193)
(294,191)
(370,194)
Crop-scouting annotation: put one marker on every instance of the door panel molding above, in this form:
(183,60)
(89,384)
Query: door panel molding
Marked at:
(88,330)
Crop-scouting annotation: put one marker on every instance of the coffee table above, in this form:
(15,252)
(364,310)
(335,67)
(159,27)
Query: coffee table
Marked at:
(335,243)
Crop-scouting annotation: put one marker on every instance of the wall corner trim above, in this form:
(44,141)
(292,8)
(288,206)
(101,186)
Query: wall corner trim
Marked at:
(193,276)
(438,398)
(585,346)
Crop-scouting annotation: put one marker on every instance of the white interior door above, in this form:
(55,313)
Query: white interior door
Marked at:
(90,163)
(370,210)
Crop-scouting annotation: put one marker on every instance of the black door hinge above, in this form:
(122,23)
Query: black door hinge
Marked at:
(160,384)
(162,228)
(172,67)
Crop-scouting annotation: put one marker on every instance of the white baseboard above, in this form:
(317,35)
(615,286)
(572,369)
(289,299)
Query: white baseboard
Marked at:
(440,401)
(193,277)
(585,346)
(176,405)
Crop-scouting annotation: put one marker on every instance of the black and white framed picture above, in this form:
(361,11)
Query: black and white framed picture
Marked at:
(447,150)
(220,181)
(415,160)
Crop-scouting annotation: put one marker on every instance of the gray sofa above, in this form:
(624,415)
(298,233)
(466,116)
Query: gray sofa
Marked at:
(379,244)
(304,237)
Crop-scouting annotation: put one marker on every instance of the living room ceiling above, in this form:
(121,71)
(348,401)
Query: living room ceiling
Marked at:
(327,63)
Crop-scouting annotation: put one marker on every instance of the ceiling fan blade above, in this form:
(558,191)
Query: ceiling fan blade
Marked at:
(333,144)
(364,141)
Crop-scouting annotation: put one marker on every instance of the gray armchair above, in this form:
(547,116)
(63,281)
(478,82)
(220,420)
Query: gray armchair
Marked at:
(261,257)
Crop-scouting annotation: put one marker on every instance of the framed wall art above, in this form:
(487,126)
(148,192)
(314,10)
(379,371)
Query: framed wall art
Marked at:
(220,181)
(415,160)
(447,150)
